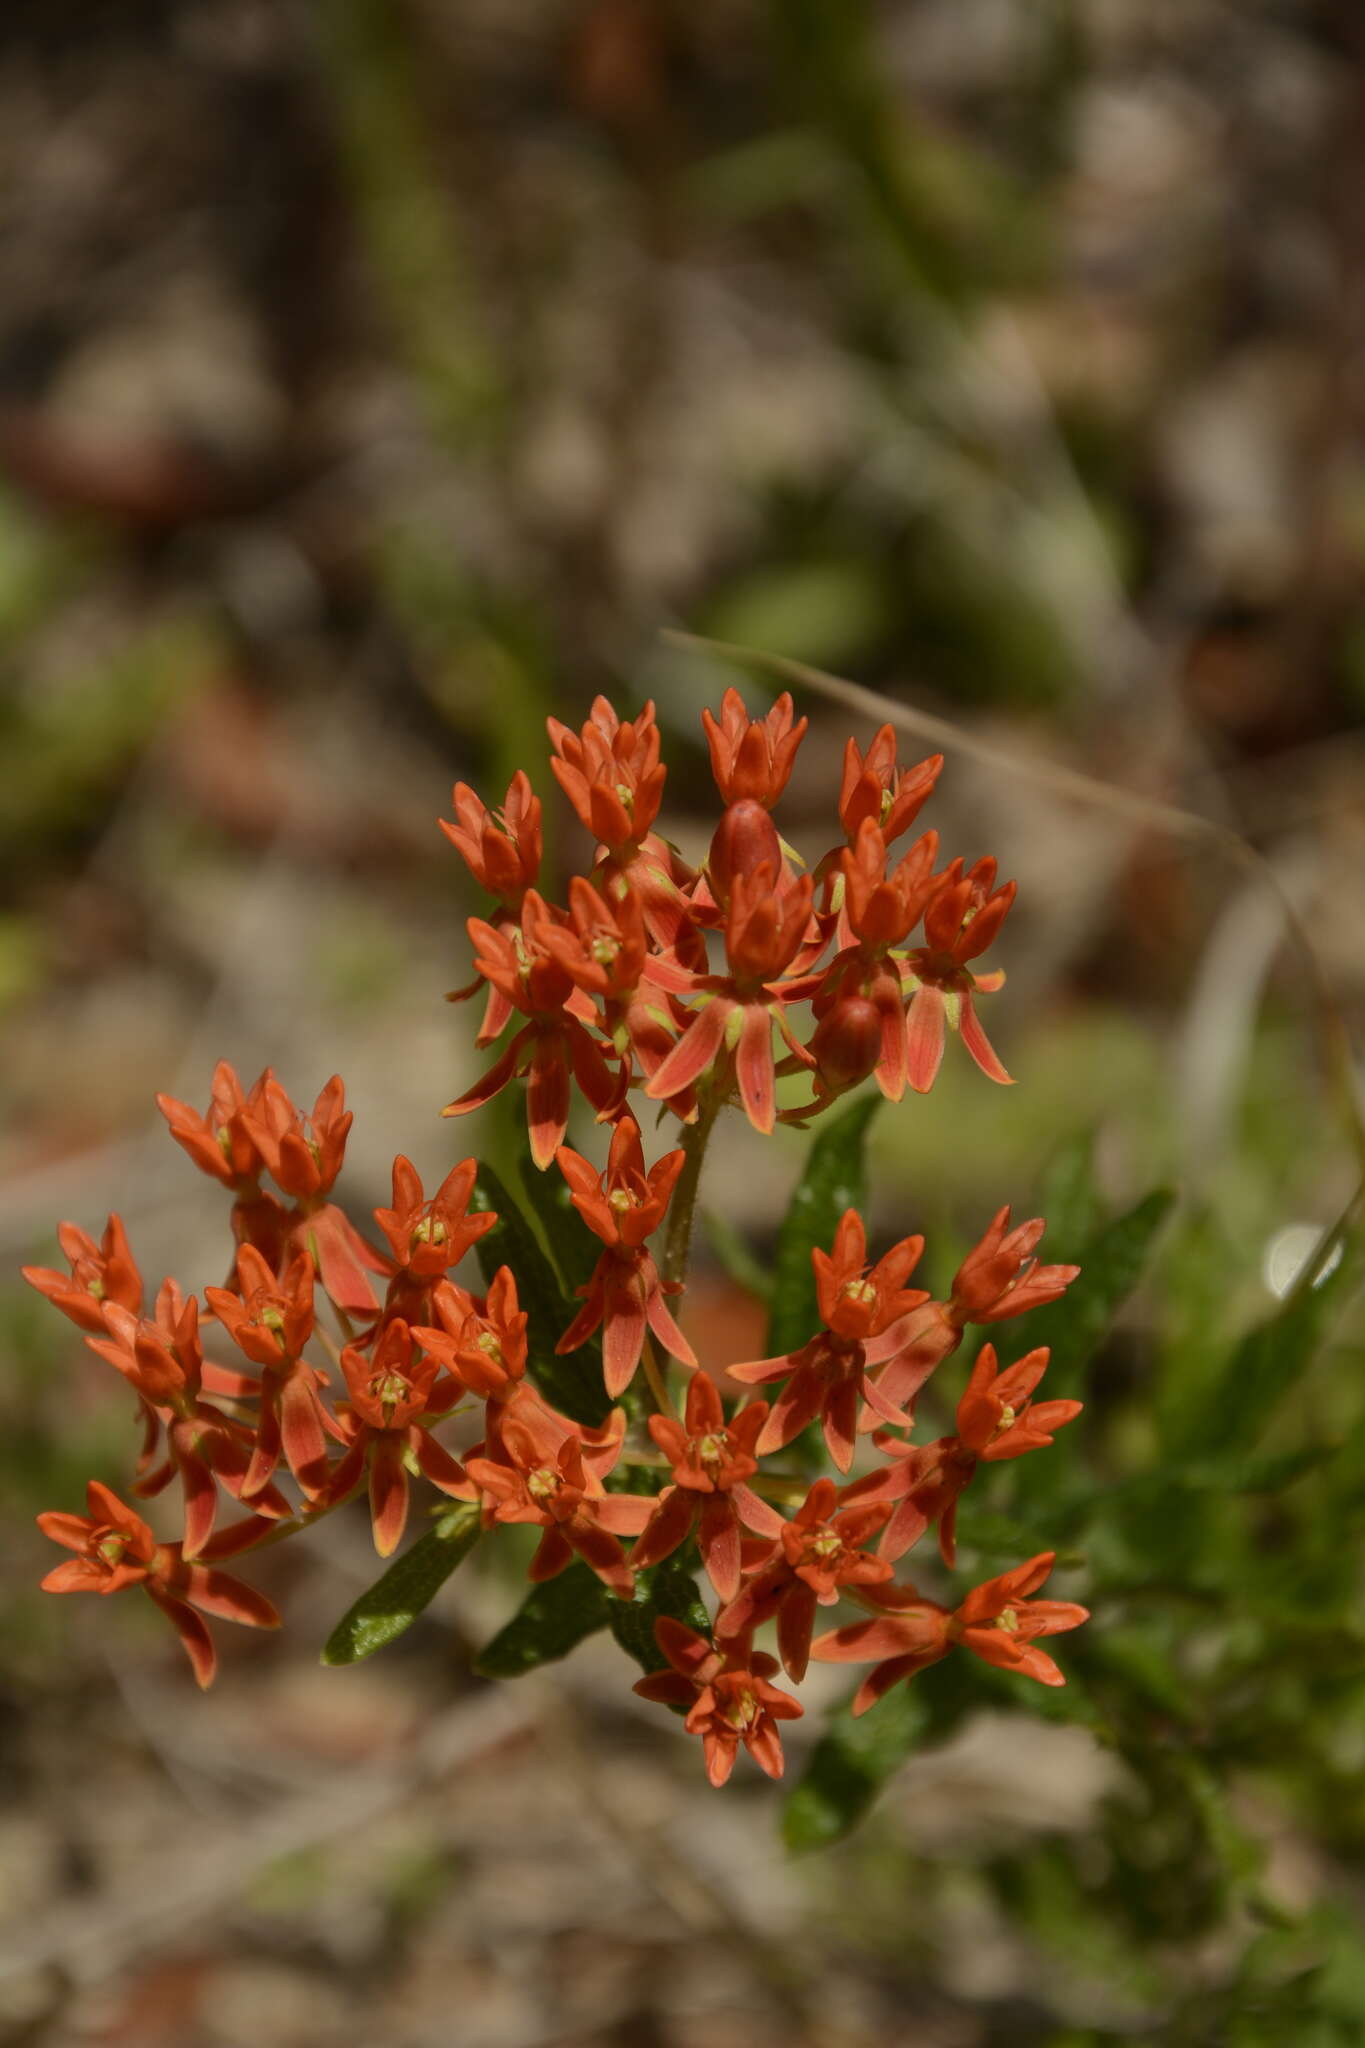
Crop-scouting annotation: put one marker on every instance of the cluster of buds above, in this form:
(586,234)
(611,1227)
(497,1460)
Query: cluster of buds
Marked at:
(348,1360)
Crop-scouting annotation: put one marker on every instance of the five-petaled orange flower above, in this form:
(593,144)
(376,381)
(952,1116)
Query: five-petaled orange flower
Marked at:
(115,1548)
(996,1620)
(817,1553)
(997,1418)
(729,1696)
(625,1295)
(864,1311)
(712,1464)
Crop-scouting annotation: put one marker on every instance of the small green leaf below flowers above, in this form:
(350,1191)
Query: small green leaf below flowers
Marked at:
(668,1588)
(552,1620)
(412,1581)
(850,1764)
(572,1382)
(835,1179)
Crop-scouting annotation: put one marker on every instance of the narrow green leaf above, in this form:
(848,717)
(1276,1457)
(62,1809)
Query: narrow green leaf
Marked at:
(1069,1199)
(850,1764)
(412,1581)
(1002,1540)
(835,1179)
(573,1246)
(572,1382)
(1228,1416)
(552,1620)
(668,1588)
(1111,1262)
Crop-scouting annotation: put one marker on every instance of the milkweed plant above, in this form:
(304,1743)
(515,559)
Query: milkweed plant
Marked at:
(694,1512)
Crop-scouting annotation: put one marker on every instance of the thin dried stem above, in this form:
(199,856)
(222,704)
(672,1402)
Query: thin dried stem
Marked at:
(1112,797)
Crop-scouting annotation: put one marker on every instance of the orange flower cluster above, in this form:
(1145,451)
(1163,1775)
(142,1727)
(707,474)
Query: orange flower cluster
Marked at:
(342,1357)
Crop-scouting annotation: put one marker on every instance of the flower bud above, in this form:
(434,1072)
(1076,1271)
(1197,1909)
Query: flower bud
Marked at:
(847,1042)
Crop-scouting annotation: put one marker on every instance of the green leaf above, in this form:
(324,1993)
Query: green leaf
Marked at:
(1111,1263)
(835,1179)
(1226,1418)
(668,1588)
(1002,1540)
(850,1764)
(573,1382)
(552,1620)
(573,1246)
(412,1581)
(1069,1199)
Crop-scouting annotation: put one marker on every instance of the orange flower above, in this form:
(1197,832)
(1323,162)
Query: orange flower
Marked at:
(751,759)
(562,1493)
(625,1293)
(960,922)
(765,925)
(611,774)
(728,1692)
(161,1357)
(302,1155)
(393,1395)
(816,1554)
(1000,1277)
(219,1143)
(874,788)
(115,1548)
(270,1321)
(863,1312)
(100,1273)
(427,1237)
(712,1463)
(501,849)
(995,1620)
(552,1045)
(483,1344)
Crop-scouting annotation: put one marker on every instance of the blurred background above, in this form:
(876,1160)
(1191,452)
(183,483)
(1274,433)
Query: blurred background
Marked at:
(377,376)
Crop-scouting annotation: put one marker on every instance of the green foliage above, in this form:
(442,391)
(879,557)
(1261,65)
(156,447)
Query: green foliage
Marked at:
(1112,1261)
(391,1605)
(851,1763)
(667,1588)
(1228,1413)
(573,1383)
(552,1620)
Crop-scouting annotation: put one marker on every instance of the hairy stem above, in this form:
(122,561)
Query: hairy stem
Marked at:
(678,1241)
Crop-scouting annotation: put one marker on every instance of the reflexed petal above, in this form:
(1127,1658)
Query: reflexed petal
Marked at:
(979,1046)
(924,1036)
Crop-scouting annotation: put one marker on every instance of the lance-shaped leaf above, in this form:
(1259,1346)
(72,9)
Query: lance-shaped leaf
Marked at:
(573,1247)
(1070,1200)
(835,1179)
(552,1620)
(412,1581)
(850,1764)
(1112,1262)
(1227,1417)
(668,1588)
(572,1383)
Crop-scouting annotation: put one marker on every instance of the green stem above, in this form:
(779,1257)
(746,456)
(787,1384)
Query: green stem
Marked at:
(682,1209)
